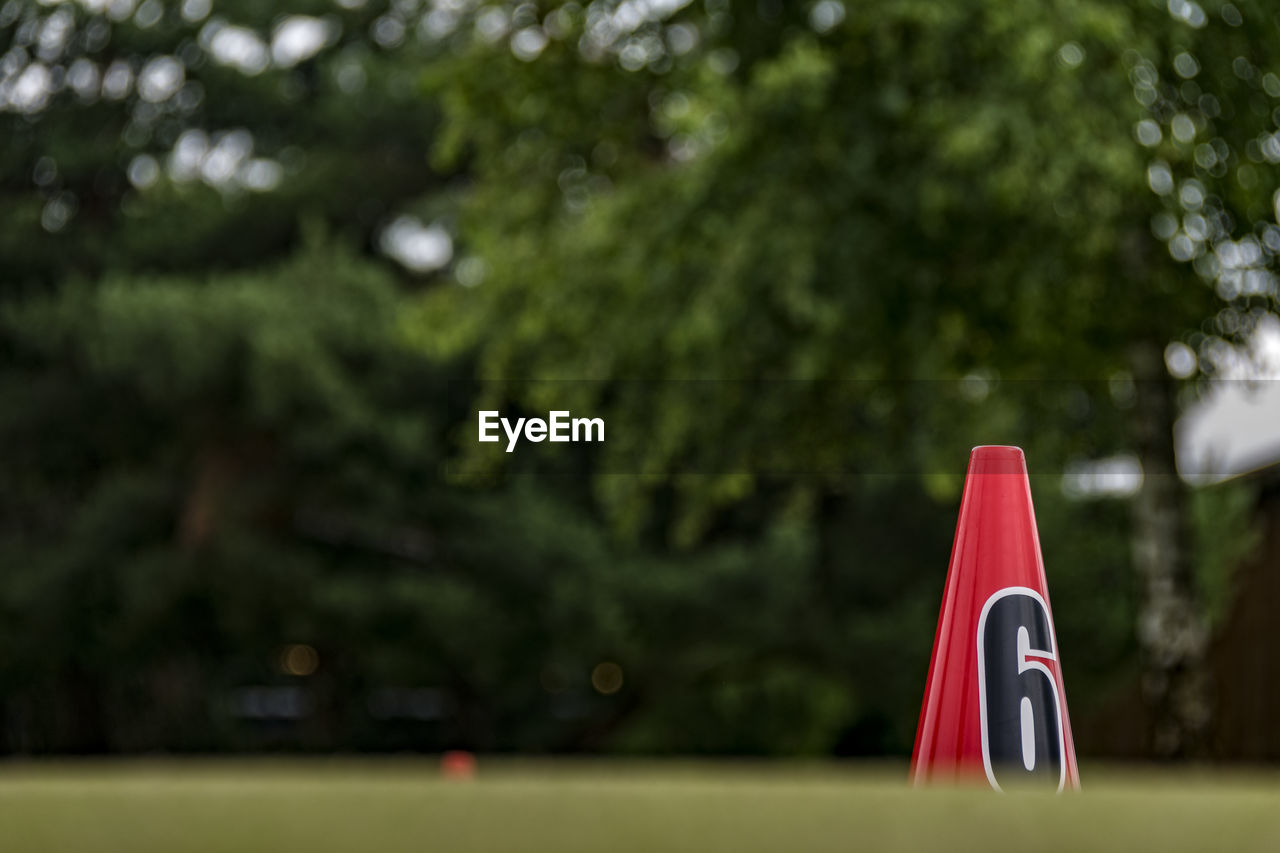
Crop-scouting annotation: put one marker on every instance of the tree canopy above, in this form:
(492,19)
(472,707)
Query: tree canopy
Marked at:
(260,263)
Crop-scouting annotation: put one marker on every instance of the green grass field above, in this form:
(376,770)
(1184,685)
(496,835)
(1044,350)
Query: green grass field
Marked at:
(585,806)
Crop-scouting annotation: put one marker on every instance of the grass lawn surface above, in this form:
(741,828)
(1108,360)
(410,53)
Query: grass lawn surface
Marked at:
(405,805)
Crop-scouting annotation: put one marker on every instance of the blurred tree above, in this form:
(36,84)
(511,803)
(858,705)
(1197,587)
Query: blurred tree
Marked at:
(227,449)
(840,196)
(215,227)
(175,136)
(195,447)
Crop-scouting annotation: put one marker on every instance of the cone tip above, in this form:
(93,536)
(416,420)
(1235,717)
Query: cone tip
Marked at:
(1002,450)
(997,459)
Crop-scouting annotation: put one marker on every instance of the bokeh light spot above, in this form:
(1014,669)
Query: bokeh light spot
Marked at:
(606,678)
(299,659)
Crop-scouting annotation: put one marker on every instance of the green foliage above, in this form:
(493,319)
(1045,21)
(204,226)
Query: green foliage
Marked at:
(339,136)
(925,191)
(808,253)
(179,440)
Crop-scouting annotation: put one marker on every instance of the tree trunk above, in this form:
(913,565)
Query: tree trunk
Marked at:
(1171,630)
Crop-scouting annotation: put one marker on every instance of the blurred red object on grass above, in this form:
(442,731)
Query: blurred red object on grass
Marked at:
(458,764)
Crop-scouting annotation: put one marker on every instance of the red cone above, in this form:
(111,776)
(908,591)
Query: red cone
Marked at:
(994,704)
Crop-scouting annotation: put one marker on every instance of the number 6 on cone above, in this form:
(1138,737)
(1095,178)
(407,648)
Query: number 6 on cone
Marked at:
(994,703)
